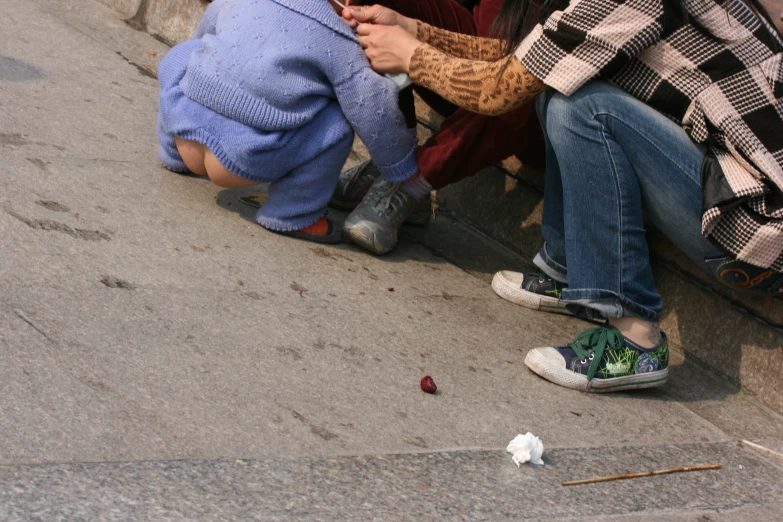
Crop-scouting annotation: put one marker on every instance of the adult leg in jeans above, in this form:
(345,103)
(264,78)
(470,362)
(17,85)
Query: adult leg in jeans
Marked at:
(668,166)
(621,156)
(615,156)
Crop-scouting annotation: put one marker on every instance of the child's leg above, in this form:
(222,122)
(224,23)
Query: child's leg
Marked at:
(298,199)
(170,72)
(168,155)
(200,160)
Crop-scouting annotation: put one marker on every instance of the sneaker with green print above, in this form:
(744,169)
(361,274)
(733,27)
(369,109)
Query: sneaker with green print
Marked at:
(602,360)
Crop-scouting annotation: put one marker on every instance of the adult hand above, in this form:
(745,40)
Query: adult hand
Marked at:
(378,15)
(388,47)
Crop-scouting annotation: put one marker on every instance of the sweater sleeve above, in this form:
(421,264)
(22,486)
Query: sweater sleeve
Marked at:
(489,88)
(370,104)
(460,45)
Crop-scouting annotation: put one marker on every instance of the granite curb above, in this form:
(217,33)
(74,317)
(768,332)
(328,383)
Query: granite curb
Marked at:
(449,485)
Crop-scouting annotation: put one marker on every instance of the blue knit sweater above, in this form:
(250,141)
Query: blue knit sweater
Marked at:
(274,64)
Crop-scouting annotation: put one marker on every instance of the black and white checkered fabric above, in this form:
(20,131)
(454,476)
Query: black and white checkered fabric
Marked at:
(715,67)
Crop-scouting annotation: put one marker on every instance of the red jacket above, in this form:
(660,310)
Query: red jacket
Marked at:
(485,13)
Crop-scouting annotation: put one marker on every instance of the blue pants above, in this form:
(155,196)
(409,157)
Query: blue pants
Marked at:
(302,165)
(611,158)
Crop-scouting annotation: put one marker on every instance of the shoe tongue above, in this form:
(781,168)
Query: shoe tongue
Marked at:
(535,283)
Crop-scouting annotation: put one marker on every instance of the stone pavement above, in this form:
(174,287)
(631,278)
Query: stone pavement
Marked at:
(162,357)
(505,203)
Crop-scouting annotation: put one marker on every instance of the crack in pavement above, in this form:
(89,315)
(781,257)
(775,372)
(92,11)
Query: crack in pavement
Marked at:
(56,226)
(20,314)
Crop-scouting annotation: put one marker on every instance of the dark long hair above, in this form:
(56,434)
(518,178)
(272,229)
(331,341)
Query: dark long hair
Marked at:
(518,17)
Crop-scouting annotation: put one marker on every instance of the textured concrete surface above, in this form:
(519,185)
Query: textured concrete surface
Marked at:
(172,21)
(746,332)
(469,485)
(163,357)
(129,8)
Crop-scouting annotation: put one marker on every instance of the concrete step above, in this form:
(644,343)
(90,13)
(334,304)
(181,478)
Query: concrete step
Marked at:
(450,485)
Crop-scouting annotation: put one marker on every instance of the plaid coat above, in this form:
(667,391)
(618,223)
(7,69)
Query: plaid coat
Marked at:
(715,67)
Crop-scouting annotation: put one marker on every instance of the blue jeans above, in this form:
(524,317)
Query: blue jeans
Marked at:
(609,156)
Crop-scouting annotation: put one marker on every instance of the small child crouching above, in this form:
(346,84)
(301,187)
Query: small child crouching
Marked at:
(271,91)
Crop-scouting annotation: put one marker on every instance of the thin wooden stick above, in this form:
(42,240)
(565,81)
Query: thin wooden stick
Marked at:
(151,70)
(762,448)
(645,474)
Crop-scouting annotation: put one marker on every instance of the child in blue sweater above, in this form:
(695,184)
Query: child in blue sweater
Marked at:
(271,91)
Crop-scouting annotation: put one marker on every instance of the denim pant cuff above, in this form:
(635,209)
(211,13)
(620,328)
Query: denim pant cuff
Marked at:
(550,267)
(608,303)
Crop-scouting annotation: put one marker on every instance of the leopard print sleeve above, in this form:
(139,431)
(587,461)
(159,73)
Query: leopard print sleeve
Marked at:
(490,88)
(460,45)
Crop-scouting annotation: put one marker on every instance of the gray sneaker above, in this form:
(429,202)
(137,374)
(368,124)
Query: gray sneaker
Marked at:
(354,184)
(374,224)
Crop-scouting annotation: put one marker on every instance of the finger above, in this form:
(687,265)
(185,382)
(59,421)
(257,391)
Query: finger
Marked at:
(348,17)
(365,41)
(364,29)
(361,14)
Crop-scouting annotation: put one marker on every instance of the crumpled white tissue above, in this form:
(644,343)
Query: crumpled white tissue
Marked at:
(526,448)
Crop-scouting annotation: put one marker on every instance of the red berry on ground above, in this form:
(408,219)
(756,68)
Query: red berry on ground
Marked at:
(428,385)
(390,289)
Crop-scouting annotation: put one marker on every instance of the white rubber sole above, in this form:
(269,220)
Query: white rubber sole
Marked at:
(507,285)
(575,381)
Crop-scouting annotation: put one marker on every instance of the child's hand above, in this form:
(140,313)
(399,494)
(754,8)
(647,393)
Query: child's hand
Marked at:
(389,48)
(378,15)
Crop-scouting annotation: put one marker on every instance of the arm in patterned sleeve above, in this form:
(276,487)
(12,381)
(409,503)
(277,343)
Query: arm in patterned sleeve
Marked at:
(490,88)
(460,45)
(590,38)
